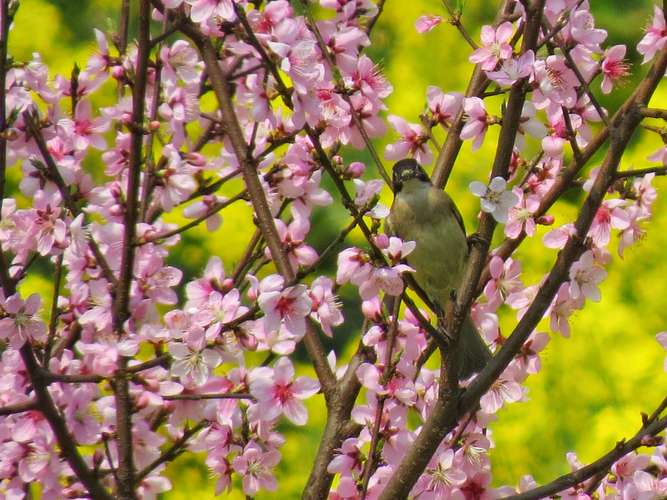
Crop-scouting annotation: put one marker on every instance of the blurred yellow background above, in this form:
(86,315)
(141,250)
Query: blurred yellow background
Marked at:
(592,387)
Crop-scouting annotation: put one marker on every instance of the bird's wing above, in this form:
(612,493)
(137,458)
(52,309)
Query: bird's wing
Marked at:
(457,214)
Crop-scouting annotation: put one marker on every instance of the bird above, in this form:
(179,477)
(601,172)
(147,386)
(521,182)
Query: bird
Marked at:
(428,216)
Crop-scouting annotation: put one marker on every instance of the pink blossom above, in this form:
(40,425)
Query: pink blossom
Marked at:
(611,214)
(354,266)
(634,231)
(494,46)
(557,83)
(503,390)
(192,363)
(513,70)
(557,238)
(207,204)
(441,478)
(585,275)
(659,156)
(366,191)
(203,10)
(582,29)
(562,307)
(214,281)
(300,57)
(413,142)
(397,249)
(255,465)
(495,199)
(427,23)
(367,77)
(292,237)
(477,121)
(348,458)
(656,36)
(288,306)
(649,486)
(180,61)
(520,216)
(278,393)
(20,323)
(645,192)
(504,280)
(614,67)
(387,279)
(443,106)
(326,309)
(83,129)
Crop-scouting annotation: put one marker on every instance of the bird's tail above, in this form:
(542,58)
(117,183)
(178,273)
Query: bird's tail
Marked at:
(473,351)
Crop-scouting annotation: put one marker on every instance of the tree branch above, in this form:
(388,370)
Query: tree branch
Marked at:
(650,428)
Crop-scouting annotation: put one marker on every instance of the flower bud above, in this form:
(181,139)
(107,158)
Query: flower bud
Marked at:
(546,220)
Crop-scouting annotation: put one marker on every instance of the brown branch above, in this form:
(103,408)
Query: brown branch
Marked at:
(654,113)
(18,408)
(219,82)
(312,26)
(444,417)
(369,466)
(215,208)
(455,20)
(120,309)
(197,397)
(170,454)
(478,83)
(650,428)
(374,19)
(640,172)
(65,440)
(31,120)
(53,318)
(123,27)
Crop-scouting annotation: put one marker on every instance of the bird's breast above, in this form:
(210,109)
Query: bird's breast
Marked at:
(425,216)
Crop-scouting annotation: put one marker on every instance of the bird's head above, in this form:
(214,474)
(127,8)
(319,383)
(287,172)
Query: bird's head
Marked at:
(405,170)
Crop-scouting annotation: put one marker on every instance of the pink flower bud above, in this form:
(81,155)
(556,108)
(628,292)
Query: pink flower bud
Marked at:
(372,309)
(356,169)
(118,72)
(227,285)
(382,241)
(546,220)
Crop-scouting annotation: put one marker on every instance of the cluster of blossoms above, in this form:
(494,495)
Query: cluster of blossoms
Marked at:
(186,357)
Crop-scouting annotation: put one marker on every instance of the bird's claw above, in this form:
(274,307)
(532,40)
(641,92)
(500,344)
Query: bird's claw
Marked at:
(477,239)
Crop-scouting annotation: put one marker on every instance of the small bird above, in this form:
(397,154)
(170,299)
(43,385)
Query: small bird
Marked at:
(427,215)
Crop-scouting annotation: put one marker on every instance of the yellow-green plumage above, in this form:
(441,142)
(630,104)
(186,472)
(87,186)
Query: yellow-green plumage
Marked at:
(428,216)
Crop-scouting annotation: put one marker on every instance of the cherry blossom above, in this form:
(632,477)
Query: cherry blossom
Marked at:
(426,23)
(288,306)
(495,199)
(494,46)
(512,70)
(261,132)
(192,363)
(477,121)
(585,275)
(277,392)
(18,321)
(413,142)
(613,67)
(255,464)
(655,37)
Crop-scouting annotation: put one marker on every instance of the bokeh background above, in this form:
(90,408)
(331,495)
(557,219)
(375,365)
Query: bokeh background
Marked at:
(592,387)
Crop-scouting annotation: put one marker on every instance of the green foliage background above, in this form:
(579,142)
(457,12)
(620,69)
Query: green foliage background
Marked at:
(593,386)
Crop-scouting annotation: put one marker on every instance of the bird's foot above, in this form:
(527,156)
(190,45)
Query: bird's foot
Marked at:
(477,239)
